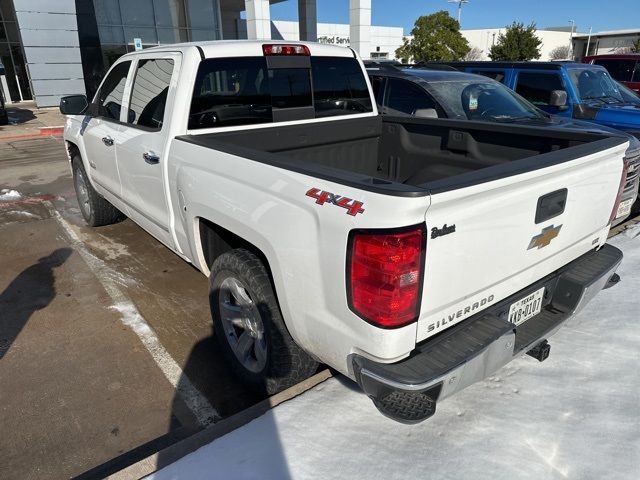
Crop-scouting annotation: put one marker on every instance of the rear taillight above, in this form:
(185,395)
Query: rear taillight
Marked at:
(384,275)
(623,181)
(270,50)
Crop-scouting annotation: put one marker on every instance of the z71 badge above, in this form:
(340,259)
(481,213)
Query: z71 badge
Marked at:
(353,207)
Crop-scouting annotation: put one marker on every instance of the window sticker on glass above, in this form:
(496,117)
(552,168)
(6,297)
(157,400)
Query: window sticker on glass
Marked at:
(473,102)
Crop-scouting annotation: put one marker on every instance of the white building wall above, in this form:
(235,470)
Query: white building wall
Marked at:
(483,39)
(49,32)
(388,39)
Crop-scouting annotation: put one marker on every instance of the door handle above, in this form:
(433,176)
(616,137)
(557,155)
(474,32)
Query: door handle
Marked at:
(108,141)
(151,158)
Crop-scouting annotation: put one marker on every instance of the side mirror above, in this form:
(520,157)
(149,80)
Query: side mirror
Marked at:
(558,98)
(425,113)
(73,104)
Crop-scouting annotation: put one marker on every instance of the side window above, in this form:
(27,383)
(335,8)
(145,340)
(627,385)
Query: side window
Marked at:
(537,87)
(111,92)
(339,87)
(497,75)
(405,98)
(149,93)
(621,70)
(377,83)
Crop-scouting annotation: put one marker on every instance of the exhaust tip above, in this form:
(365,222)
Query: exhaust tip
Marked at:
(615,278)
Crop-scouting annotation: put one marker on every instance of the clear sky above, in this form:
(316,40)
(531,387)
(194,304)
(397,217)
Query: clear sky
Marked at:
(599,14)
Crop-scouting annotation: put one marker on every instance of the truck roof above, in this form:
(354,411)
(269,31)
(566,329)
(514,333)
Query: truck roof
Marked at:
(250,48)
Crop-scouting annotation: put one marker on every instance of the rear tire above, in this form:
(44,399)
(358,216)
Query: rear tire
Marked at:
(95,210)
(249,326)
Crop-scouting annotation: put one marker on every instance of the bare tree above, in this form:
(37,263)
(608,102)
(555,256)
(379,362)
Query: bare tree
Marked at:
(560,53)
(474,54)
(633,48)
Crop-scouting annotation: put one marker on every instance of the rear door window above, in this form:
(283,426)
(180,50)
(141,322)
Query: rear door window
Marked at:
(537,86)
(621,70)
(111,93)
(149,93)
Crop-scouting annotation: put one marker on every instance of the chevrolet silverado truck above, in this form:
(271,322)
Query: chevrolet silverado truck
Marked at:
(414,255)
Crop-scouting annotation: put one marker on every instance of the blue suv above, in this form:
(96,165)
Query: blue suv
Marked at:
(574,90)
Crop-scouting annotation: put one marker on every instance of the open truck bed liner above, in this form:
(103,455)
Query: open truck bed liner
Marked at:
(407,157)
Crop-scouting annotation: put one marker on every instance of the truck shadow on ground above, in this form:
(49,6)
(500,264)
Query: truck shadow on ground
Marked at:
(33,289)
(229,455)
(235,404)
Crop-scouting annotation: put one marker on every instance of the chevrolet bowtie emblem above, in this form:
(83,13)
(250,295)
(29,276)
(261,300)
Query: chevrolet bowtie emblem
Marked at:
(544,238)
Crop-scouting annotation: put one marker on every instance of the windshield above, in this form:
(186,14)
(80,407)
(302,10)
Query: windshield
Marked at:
(482,100)
(595,84)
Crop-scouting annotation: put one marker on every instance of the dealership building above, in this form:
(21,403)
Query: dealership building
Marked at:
(52,48)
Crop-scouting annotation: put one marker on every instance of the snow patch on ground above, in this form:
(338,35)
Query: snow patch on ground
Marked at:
(7,194)
(575,416)
(22,213)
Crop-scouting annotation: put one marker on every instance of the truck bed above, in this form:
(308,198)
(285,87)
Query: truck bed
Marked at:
(408,157)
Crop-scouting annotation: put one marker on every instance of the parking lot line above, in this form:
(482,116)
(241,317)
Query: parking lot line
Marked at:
(204,412)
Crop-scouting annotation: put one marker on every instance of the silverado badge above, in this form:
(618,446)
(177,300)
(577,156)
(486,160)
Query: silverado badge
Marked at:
(544,238)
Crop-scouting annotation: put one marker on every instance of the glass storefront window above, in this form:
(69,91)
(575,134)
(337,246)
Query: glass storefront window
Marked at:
(202,14)
(139,13)
(170,13)
(6,11)
(110,35)
(155,22)
(147,35)
(172,35)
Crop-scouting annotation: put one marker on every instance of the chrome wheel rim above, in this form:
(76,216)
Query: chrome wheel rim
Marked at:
(242,325)
(83,193)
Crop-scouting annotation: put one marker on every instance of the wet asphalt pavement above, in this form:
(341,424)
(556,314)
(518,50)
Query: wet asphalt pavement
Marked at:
(106,348)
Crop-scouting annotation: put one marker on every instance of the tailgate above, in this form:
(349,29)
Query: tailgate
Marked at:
(497,248)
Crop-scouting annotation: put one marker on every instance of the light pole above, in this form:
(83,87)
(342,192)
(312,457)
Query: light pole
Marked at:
(588,41)
(460,3)
(573,26)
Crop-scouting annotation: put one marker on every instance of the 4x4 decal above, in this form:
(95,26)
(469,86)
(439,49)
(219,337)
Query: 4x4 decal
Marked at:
(353,207)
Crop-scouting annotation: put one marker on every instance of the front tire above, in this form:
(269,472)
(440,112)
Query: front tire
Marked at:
(249,326)
(95,210)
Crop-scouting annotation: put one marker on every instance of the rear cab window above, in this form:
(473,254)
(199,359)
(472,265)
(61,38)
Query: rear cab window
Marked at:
(246,90)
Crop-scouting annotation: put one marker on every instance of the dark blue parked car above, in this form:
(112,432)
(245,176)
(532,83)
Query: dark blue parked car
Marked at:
(591,93)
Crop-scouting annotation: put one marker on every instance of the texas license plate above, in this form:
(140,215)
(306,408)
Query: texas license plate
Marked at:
(526,307)
(624,208)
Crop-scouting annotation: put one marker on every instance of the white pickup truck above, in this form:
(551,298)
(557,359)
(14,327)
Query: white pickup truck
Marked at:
(415,256)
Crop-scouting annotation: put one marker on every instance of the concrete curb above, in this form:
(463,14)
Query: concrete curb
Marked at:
(42,132)
(180,449)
